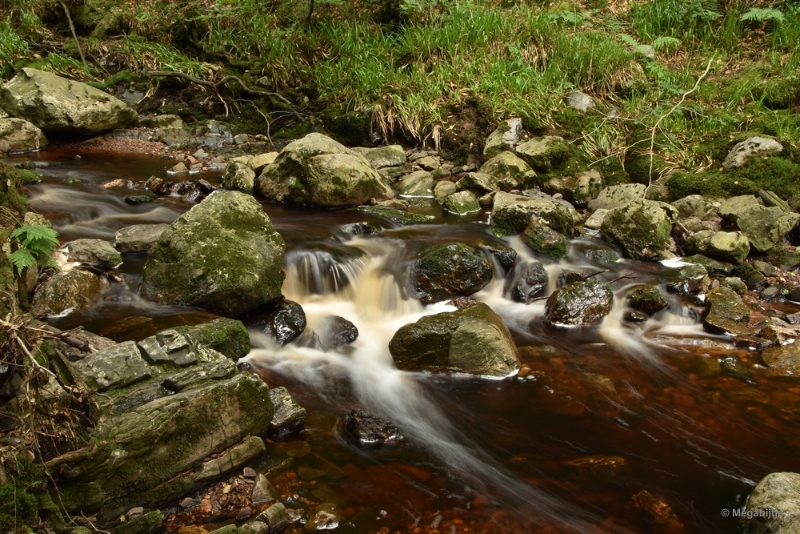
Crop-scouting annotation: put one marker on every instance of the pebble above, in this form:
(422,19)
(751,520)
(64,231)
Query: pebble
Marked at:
(249,472)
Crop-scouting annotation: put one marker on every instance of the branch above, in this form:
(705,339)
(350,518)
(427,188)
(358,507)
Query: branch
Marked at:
(667,114)
(72,456)
(206,83)
(74,35)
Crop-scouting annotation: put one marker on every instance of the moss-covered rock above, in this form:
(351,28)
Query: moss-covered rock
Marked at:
(646,298)
(65,292)
(471,340)
(526,282)
(507,136)
(616,196)
(731,247)
(223,255)
(352,128)
(400,217)
(318,171)
(726,312)
(416,184)
(581,303)
(542,239)
(461,203)
(512,213)
(96,253)
(18,135)
(509,171)
(642,229)
(578,188)
(544,154)
(144,524)
(451,270)
(226,336)
(773,505)
(239,176)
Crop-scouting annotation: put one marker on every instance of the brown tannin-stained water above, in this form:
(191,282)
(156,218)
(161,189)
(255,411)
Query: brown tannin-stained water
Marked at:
(603,414)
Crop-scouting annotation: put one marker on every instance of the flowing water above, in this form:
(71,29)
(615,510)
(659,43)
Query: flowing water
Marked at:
(479,455)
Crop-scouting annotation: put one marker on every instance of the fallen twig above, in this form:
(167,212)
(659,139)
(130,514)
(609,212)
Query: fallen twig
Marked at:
(226,79)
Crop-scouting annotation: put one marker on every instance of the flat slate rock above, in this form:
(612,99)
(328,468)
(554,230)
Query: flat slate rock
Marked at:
(116,366)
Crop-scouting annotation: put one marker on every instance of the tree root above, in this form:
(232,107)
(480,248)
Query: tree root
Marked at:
(225,80)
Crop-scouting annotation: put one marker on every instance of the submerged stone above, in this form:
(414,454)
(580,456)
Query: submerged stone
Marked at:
(726,312)
(367,429)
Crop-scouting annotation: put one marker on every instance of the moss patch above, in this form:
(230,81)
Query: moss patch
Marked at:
(773,173)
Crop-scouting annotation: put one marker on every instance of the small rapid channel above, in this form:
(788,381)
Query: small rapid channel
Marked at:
(480,455)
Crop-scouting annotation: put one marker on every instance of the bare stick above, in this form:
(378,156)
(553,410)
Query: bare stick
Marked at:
(617,279)
(206,83)
(74,35)
(667,114)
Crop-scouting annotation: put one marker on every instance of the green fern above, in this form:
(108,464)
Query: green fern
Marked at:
(35,245)
(666,43)
(762,14)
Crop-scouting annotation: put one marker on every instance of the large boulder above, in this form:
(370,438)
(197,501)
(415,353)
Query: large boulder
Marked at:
(731,247)
(512,213)
(542,239)
(238,176)
(578,188)
(773,506)
(642,229)
(471,340)
(616,196)
(18,135)
(750,148)
(56,104)
(318,171)
(416,184)
(579,303)
(544,153)
(510,171)
(66,292)
(138,237)
(223,255)
(763,226)
(451,270)
(461,203)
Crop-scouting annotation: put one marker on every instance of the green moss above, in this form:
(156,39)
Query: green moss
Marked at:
(351,128)
(773,173)
(402,217)
(28,177)
(228,336)
(141,525)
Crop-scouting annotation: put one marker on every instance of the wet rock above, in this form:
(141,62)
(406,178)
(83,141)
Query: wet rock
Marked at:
(95,253)
(646,298)
(142,524)
(507,136)
(65,292)
(635,316)
(138,237)
(642,229)
(462,302)
(512,213)
(731,247)
(263,492)
(56,104)
(355,229)
(771,294)
(450,270)
(726,312)
(773,505)
(318,171)
(443,189)
(578,189)
(326,516)
(603,255)
(509,171)
(655,513)
(544,153)
(579,101)
(472,340)
(750,148)
(783,361)
(526,282)
(226,336)
(239,177)
(283,320)
(416,184)
(144,198)
(734,283)
(223,255)
(18,135)
(579,304)
(713,267)
(543,240)
(616,196)
(400,217)
(461,203)
(335,331)
(386,156)
(114,367)
(275,516)
(478,182)
(367,429)
(749,275)
(289,417)
(733,366)
(505,256)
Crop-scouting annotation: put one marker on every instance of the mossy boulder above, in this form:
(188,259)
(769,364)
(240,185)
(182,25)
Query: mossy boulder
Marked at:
(763,226)
(461,203)
(416,184)
(542,239)
(451,270)
(223,255)
(507,136)
(226,336)
(783,360)
(18,135)
(578,188)
(512,213)
(397,216)
(642,229)
(646,298)
(318,171)
(544,154)
(138,237)
(56,104)
(478,182)
(616,196)
(65,292)
(773,505)
(751,148)
(509,171)
(726,312)
(385,156)
(697,206)
(731,247)
(580,303)
(472,340)
(239,176)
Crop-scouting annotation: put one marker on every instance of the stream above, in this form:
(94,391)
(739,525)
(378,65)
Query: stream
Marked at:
(479,455)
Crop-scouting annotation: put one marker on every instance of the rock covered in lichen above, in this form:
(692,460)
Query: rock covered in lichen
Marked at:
(580,303)
(450,270)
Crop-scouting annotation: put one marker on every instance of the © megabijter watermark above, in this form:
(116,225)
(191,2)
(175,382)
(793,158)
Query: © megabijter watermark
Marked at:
(750,514)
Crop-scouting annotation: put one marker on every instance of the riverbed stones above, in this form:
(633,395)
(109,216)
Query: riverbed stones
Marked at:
(616,196)
(138,237)
(223,255)
(19,135)
(507,136)
(773,505)
(461,203)
(56,104)
(750,148)
(385,156)
(96,253)
(114,367)
(509,171)
(66,292)
(512,213)
(731,247)
(365,428)
(642,229)
(646,298)
(655,513)
(318,171)
(527,281)
(478,182)
(580,303)
(726,312)
(544,153)
(782,360)
(288,417)
(416,184)
(578,188)
(450,270)
(239,176)
(283,320)
(471,340)
(325,517)
(763,226)
(543,240)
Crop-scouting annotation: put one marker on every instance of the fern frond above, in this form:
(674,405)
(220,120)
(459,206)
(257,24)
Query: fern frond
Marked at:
(627,39)
(762,14)
(21,259)
(666,43)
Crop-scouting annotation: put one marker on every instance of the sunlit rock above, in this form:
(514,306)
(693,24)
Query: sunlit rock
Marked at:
(773,505)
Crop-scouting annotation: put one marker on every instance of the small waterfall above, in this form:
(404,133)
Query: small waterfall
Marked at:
(318,272)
